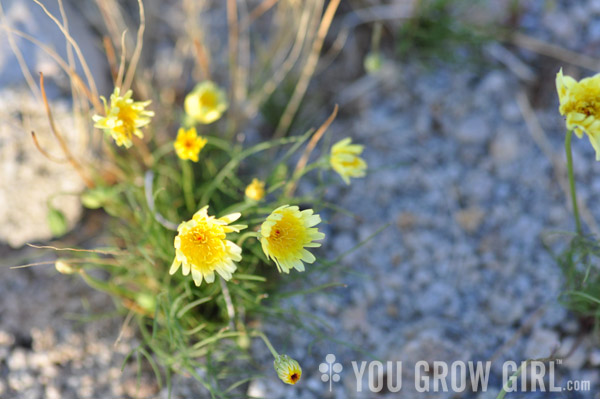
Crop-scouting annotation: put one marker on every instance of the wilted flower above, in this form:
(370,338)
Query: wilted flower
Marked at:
(288,370)
(188,144)
(255,190)
(206,103)
(202,248)
(286,233)
(346,161)
(580,103)
(124,117)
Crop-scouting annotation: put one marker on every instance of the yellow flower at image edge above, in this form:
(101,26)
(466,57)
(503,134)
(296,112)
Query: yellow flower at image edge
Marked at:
(188,144)
(206,103)
(201,247)
(124,117)
(345,159)
(288,370)
(580,103)
(285,235)
(255,190)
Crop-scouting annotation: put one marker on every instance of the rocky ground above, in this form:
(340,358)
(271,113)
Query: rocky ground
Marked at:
(466,188)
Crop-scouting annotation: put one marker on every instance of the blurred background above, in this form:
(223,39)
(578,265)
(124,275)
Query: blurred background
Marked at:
(455,103)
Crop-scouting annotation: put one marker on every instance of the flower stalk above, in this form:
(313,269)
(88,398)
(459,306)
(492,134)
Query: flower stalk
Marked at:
(572,180)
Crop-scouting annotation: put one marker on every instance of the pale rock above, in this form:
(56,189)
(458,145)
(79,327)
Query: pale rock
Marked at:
(470,219)
(505,147)
(473,130)
(541,344)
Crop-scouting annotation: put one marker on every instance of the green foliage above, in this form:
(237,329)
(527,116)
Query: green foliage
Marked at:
(186,328)
(437,31)
(57,222)
(579,262)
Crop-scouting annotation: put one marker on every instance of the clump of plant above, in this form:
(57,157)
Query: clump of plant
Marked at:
(437,30)
(580,104)
(199,220)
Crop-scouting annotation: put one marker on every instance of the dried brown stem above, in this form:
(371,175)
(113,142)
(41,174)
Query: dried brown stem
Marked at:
(65,67)
(309,149)
(138,48)
(232,23)
(121,73)
(111,57)
(44,153)
(63,145)
(202,59)
(256,13)
(84,64)
(307,71)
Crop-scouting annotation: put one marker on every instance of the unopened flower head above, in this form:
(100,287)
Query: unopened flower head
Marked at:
(124,117)
(346,161)
(64,267)
(188,144)
(285,235)
(580,103)
(255,190)
(206,103)
(288,370)
(201,247)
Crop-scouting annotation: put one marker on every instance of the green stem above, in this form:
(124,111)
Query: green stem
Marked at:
(511,381)
(247,235)
(572,180)
(187,177)
(267,342)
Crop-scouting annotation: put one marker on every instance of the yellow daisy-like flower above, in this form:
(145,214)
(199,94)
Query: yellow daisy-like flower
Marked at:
(202,248)
(285,234)
(346,161)
(288,370)
(206,103)
(580,103)
(188,144)
(124,117)
(255,190)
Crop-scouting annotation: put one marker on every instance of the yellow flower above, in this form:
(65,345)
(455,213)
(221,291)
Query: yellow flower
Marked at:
(288,370)
(580,103)
(286,233)
(202,248)
(124,117)
(255,190)
(206,103)
(188,144)
(345,159)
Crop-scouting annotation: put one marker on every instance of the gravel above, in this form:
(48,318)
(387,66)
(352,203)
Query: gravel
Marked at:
(459,273)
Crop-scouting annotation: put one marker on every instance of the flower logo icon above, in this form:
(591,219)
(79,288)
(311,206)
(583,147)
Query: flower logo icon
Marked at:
(331,370)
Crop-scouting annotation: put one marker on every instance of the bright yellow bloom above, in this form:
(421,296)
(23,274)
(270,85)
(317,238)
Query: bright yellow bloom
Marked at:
(255,190)
(206,103)
(286,233)
(346,161)
(201,246)
(288,370)
(580,103)
(188,144)
(124,117)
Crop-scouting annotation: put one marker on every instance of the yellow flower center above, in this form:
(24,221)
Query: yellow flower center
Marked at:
(351,164)
(294,377)
(287,235)
(208,99)
(204,246)
(127,115)
(584,99)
